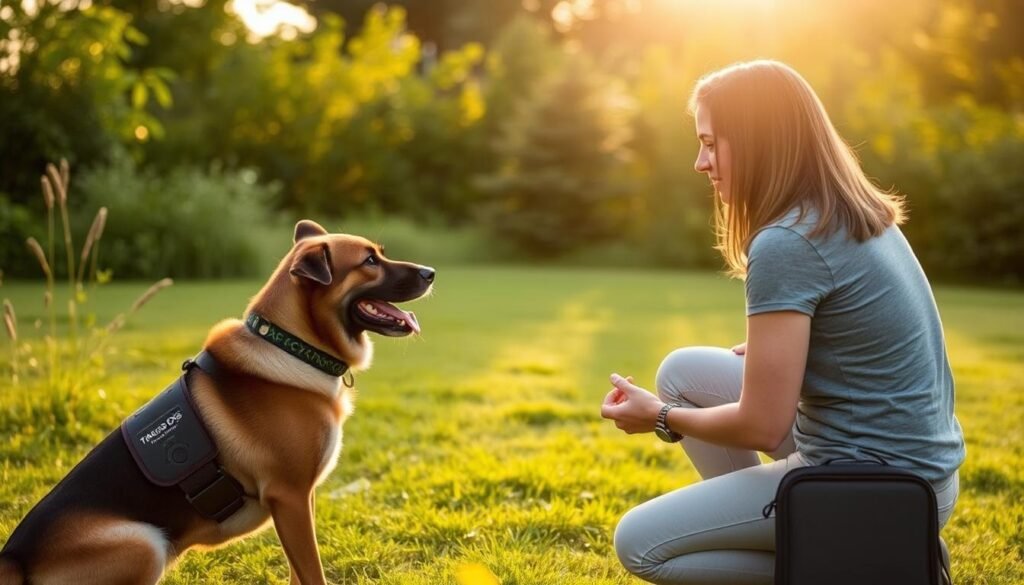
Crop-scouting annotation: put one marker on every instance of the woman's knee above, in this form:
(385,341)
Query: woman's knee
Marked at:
(629,541)
(677,373)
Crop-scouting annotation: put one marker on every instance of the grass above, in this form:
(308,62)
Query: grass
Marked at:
(481,440)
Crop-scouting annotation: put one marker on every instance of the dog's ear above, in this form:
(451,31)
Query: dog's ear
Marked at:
(308,228)
(313,263)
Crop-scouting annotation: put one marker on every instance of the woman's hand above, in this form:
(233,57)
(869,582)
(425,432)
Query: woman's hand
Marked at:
(740,349)
(633,409)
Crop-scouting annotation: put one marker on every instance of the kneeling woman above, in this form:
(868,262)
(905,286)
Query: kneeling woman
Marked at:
(844,355)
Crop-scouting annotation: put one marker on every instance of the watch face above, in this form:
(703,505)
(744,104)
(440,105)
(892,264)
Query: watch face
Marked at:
(663,435)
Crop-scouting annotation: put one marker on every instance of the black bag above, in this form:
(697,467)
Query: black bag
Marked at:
(857,523)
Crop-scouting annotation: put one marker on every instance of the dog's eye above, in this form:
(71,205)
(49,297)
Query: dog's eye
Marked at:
(371,260)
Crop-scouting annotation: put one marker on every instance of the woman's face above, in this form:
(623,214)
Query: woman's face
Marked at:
(713,158)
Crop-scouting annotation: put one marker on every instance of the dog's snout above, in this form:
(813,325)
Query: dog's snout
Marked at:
(427,273)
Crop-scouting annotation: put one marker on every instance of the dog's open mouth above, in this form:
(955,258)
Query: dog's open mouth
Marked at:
(384,318)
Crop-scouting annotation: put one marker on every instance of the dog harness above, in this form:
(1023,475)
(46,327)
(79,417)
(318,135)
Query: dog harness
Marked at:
(170,443)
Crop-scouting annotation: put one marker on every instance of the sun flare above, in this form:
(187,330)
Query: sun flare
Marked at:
(265,18)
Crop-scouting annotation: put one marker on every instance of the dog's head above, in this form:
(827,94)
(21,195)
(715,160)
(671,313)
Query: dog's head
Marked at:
(351,287)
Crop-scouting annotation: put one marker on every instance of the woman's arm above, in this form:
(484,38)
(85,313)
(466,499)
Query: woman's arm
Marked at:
(772,376)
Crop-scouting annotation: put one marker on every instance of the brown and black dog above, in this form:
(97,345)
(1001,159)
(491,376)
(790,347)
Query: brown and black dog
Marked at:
(275,420)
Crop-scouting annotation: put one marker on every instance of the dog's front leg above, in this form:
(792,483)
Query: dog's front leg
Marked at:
(312,514)
(293,520)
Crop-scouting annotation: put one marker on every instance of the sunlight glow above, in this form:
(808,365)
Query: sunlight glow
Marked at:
(265,18)
(165,5)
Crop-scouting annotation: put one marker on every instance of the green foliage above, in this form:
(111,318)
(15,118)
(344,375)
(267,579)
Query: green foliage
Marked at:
(65,88)
(418,146)
(16,224)
(70,356)
(561,183)
(957,165)
(188,223)
(971,227)
(363,116)
(481,440)
(973,47)
(343,123)
(519,58)
(670,223)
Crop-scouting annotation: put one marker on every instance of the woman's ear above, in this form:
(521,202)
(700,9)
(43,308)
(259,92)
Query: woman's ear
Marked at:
(308,228)
(313,263)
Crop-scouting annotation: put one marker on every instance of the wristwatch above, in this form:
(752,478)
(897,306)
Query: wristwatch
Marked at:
(661,426)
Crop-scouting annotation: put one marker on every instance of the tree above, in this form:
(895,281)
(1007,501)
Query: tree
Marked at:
(972,47)
(560,185)
(65,89)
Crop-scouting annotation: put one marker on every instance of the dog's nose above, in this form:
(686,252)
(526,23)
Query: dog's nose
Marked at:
(427,273)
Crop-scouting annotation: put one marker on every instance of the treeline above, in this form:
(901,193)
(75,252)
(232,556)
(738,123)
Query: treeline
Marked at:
(556,129)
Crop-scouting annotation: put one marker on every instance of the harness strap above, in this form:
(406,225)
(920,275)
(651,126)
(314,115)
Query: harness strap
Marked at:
(211,490)
(206,363)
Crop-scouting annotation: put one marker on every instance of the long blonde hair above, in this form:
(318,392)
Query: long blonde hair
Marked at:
(785,153)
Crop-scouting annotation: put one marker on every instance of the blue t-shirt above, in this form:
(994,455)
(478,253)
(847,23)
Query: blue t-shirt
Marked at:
(878,380)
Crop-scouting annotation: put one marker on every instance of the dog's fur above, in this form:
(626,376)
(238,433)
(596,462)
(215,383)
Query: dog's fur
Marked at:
(275,420)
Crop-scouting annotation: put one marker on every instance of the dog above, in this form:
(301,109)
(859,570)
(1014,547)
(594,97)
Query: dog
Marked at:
(271,392)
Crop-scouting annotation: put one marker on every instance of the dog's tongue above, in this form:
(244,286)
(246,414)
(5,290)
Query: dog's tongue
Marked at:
(408,316)
(412,322)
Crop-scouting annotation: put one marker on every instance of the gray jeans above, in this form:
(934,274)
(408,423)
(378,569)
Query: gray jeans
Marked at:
(713,532)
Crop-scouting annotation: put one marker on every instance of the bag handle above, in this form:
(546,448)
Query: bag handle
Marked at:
(854,460)
(770,507)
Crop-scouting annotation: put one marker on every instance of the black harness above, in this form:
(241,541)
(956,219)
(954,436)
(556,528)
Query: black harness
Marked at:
(170,443)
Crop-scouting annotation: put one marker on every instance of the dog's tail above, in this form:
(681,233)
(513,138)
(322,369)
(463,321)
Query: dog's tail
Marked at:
(10,571)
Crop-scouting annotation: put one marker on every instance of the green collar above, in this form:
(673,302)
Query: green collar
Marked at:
(290,343)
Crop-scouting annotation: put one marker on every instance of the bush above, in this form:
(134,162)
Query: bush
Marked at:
(16,225)
(959,166)
(973,227)
(68,89)
(344,123)
(189,223)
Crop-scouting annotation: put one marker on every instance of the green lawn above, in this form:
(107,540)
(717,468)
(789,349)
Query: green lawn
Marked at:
(481,442)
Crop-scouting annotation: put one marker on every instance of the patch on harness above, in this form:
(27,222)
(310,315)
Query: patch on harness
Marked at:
(167,438)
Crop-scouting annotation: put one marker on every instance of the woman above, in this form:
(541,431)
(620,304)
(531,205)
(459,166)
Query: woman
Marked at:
(844,355)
